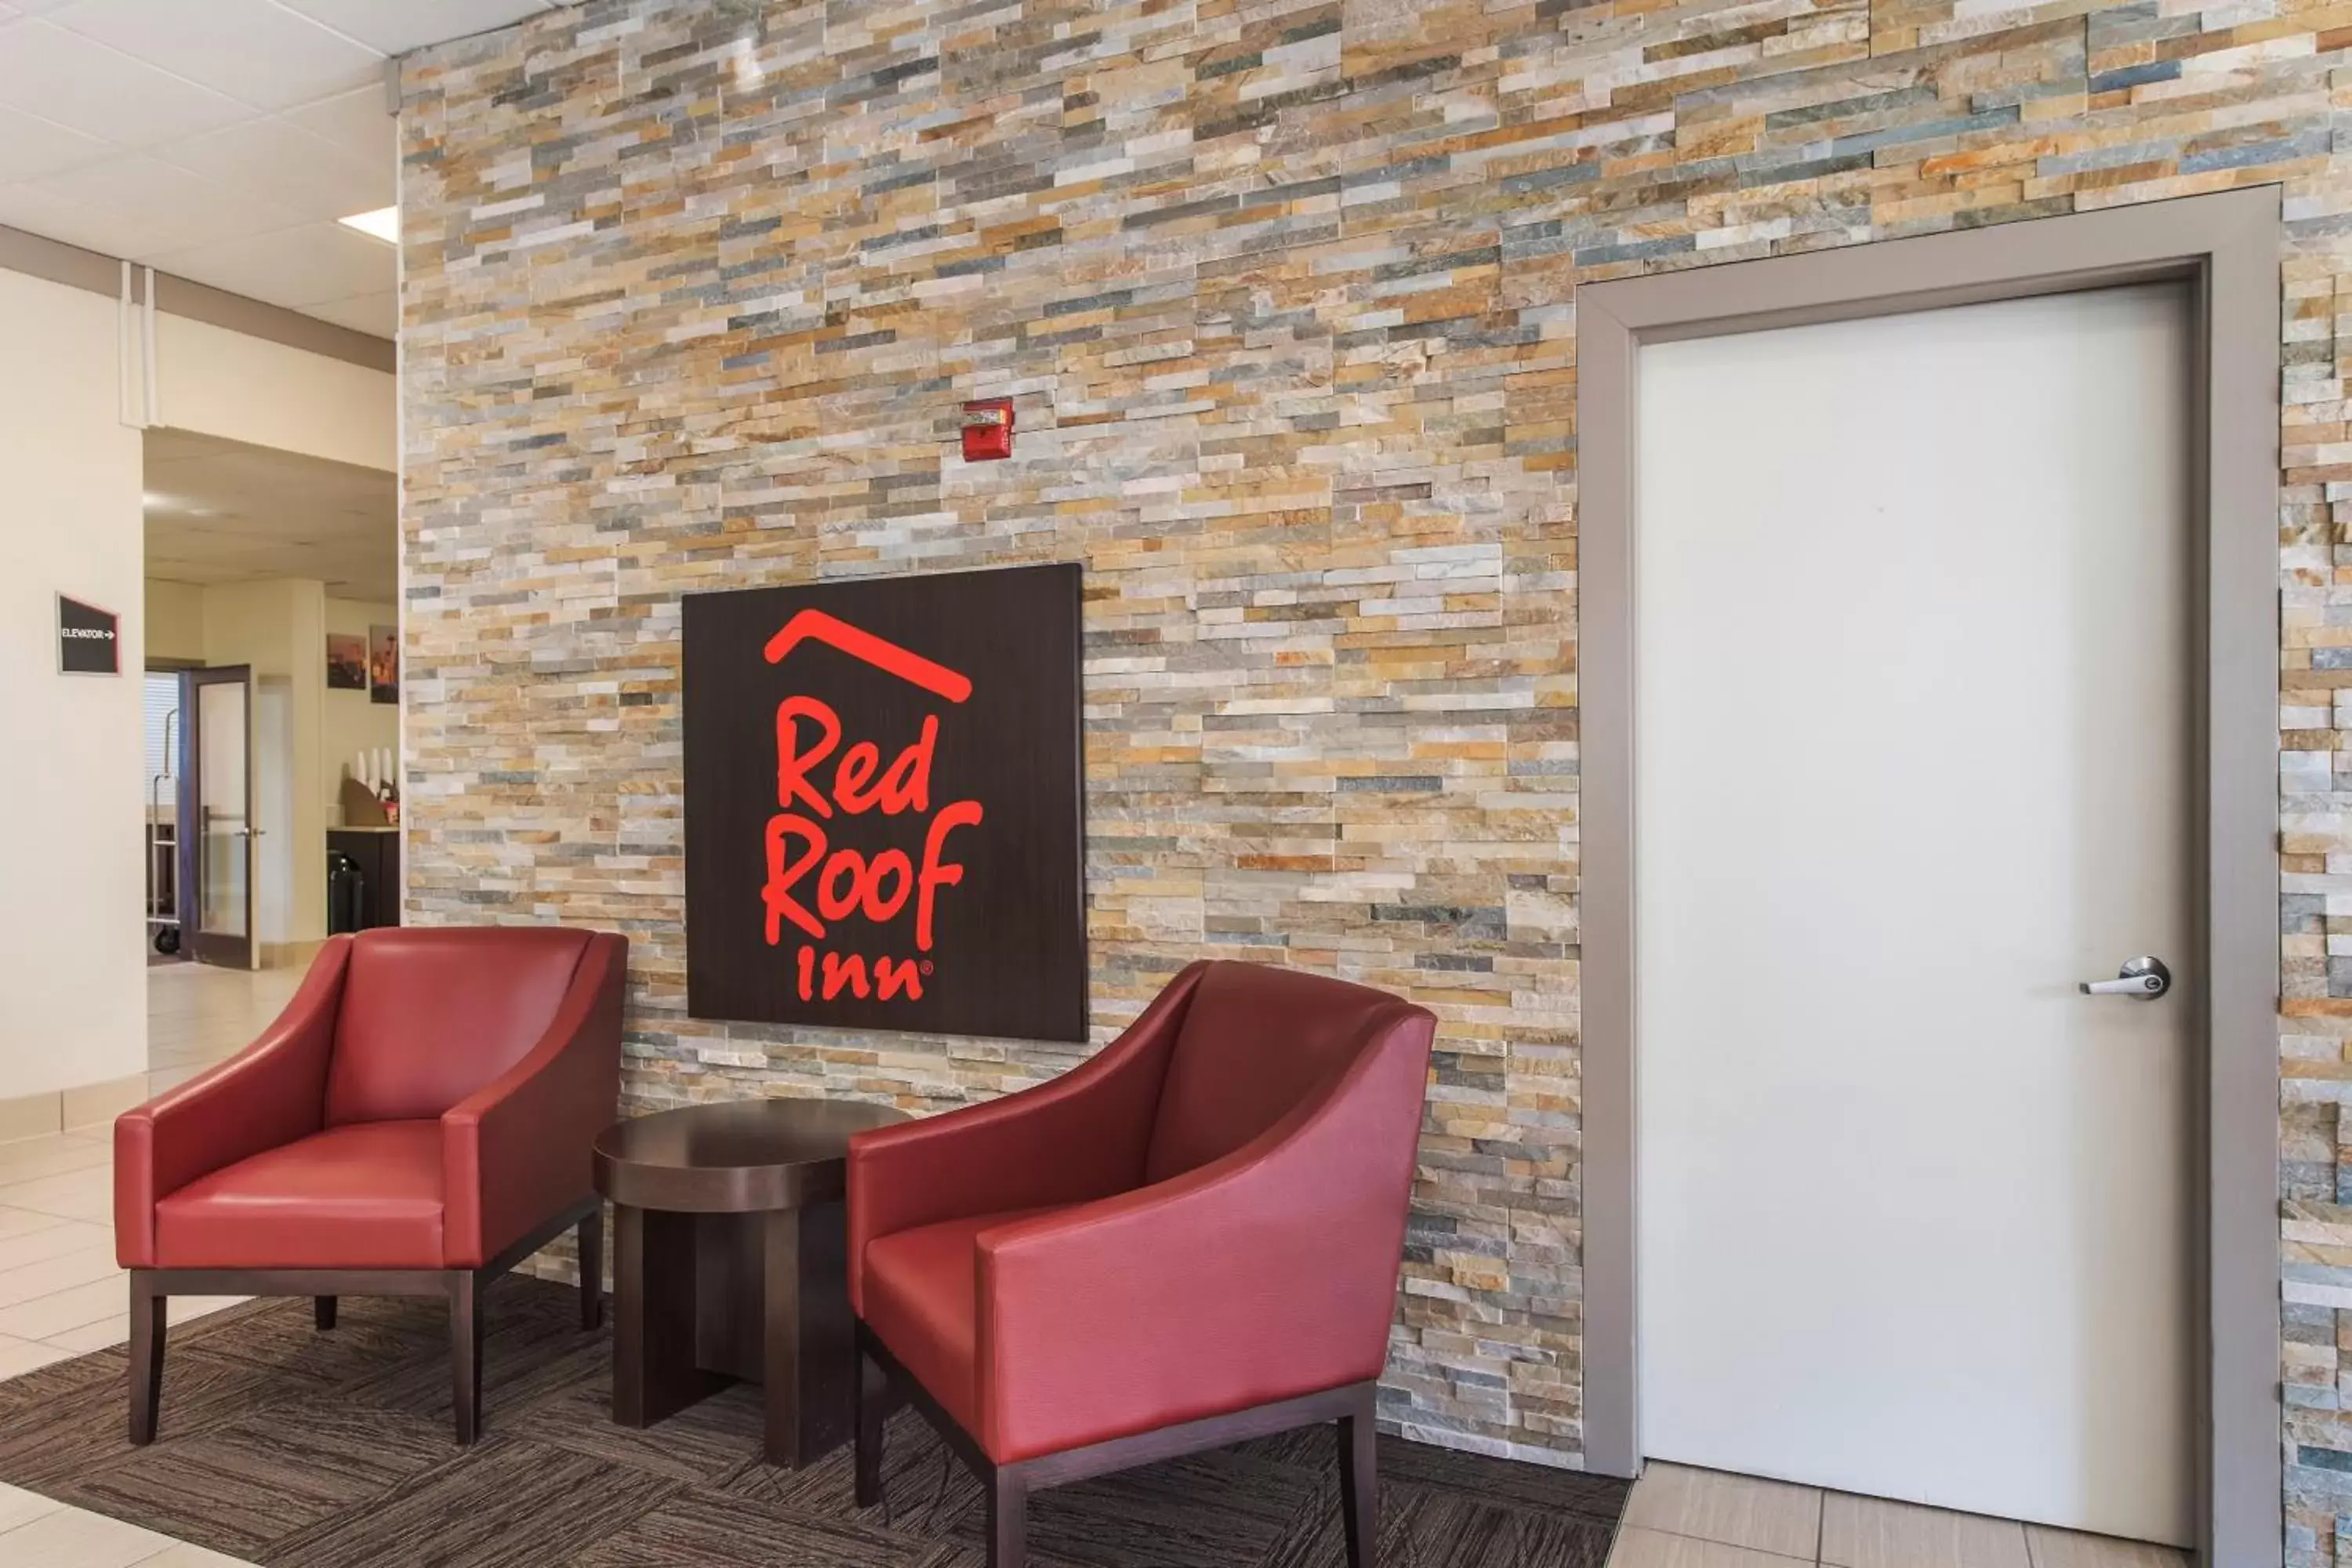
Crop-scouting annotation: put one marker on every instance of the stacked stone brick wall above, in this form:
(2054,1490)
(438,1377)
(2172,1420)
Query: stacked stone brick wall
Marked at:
(1285,290)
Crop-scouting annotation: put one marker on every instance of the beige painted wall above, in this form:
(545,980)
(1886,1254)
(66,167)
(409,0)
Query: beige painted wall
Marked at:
(225,384)
(176,619)
(72,964)
(72,954)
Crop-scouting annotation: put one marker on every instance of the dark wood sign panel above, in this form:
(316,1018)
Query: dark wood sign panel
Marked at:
(883,800)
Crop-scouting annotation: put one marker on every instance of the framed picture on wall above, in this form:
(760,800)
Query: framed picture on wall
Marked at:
(383,664)
(884,805)
(347,661)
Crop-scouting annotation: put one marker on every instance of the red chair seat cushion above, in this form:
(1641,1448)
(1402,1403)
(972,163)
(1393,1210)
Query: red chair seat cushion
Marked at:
(921,1297)
(363,1197)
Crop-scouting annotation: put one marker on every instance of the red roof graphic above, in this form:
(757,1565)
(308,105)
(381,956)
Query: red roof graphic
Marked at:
(911,668)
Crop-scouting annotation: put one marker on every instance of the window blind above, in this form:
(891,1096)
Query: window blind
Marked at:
(162,700)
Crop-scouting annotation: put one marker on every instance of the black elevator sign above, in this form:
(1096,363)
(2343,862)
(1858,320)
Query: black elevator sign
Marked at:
(86,639)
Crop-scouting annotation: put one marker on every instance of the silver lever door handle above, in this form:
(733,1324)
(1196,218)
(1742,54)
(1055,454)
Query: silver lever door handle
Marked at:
(2145,978)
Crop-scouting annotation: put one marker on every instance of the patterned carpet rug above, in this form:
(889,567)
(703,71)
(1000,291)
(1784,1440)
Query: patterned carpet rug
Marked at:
(304,1449)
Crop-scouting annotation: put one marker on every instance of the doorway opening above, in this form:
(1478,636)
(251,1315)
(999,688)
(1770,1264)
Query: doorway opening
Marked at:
(273,723)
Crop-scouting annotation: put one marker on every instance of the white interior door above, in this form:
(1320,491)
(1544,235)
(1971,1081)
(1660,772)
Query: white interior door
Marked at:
(1914,647)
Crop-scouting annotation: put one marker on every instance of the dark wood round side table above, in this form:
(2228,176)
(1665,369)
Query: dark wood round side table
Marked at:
(730,1263)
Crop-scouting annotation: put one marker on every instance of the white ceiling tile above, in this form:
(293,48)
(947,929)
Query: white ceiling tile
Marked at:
(356,122)
(308,176)
(307,265)
(87,87)
(110,231)
(396,26)
(172,208)
(45,213)
(29,147)
(216,138)
(238,511)
(378,315)
(250,49)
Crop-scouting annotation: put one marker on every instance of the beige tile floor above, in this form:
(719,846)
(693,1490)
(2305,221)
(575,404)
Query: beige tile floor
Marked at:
(1682,1517)
(61,1293)
(37,1534)
(197,1014)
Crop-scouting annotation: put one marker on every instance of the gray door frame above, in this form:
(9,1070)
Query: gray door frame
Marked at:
(2226,246)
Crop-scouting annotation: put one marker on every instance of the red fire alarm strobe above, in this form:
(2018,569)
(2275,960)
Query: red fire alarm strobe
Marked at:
(987,429)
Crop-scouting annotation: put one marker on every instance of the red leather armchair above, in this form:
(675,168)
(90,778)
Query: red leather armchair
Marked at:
(1191,1239)
(416,1123)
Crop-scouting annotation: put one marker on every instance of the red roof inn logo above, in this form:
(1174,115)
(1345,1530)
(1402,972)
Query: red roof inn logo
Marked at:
(882,804)
(846,882)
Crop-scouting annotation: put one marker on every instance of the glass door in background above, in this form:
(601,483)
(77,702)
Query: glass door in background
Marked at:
(216,814)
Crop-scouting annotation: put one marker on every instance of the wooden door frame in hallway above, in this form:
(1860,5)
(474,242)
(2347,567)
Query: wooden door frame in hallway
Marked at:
(201,945)
(2226,246)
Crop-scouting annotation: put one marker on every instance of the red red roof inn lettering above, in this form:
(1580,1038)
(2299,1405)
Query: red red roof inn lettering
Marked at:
(846,882)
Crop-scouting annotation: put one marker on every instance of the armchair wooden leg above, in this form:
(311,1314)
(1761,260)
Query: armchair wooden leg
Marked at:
(322,1312)
(147,1326)
(1008,1519)
(1359,1485)
(465,1354)
(873,1411)
(592,1270)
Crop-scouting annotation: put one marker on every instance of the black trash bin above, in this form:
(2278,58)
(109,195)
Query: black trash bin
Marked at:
(346,894)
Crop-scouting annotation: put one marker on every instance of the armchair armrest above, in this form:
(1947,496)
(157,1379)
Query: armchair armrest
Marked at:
(271,1093)
(1262,1276)
(1081,1136)
(518,1151)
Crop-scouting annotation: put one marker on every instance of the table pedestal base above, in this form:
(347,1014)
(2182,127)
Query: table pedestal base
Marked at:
(706,1300)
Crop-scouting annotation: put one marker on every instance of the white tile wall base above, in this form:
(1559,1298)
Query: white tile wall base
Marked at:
(85,1105)
(1684,1518)
(29,1116)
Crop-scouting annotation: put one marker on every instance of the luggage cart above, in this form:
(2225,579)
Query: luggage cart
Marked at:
(163,849)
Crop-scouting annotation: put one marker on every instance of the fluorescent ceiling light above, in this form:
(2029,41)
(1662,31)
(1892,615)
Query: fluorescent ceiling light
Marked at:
(382,224)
